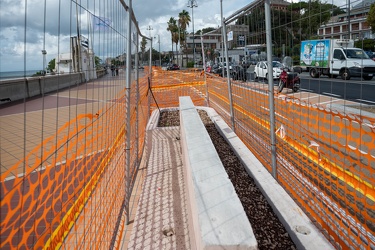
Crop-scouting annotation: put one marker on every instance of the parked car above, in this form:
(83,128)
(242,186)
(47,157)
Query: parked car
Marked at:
(261,70)
(173,67)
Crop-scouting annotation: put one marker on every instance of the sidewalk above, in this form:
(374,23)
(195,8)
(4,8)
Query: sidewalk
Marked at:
(161,217)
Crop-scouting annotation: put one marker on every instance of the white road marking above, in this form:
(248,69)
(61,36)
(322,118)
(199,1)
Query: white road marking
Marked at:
(330,94)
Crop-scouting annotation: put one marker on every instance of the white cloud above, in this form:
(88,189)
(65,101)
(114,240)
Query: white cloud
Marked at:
(60,23)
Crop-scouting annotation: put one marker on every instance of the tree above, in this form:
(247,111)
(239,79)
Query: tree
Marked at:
(365,44)
(172,27)
(206,30)
(143,47)
(51,65)
(97,61)
(184,21)
(289,27)
(371,17)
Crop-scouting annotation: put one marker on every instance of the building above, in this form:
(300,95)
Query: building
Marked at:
(213,43)
(355,19)
(80,59)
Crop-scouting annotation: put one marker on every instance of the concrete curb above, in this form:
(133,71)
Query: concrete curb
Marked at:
(217,219)
(300,228)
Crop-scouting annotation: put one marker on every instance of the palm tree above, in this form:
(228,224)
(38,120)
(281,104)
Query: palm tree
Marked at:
(183,21)
(172,27)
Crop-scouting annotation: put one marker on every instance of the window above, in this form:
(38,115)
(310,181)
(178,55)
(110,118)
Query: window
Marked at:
(337,54)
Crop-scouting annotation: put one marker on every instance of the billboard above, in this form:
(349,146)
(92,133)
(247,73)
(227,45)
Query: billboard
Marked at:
(315,53)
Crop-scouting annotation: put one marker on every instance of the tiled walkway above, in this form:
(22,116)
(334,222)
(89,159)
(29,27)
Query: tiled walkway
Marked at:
(161,218)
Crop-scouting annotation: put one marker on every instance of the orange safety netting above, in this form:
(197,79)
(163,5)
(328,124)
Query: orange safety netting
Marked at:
(325,160)
(75,181)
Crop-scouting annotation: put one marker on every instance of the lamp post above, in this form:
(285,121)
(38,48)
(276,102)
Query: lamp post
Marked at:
(44,52)
(149,28)
(192,4)
(159,50)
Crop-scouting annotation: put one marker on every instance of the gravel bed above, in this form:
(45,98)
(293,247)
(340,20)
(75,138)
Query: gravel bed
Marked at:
(268,230)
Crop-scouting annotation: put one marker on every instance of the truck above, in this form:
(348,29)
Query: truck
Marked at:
(335,57)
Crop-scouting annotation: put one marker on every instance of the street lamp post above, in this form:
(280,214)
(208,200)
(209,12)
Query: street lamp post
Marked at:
(192,4)
(44,53)
(159,50)
(149,28)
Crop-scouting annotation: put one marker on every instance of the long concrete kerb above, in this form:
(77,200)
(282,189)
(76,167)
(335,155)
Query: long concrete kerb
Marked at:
(217,219)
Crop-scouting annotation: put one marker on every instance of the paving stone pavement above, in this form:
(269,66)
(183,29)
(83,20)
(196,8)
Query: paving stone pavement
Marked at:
(161,220)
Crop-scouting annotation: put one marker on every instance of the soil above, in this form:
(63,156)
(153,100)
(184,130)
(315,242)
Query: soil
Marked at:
(268,230)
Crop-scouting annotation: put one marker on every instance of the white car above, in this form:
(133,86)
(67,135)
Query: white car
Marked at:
(261,70)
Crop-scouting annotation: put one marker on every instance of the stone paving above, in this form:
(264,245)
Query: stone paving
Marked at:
(161,221)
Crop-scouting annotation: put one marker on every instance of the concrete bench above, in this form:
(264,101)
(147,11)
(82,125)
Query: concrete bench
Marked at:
(217,219)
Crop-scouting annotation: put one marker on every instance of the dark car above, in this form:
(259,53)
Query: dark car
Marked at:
(173,67)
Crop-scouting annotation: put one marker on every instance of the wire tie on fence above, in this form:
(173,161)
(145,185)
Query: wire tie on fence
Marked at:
(282,131)
(314,144)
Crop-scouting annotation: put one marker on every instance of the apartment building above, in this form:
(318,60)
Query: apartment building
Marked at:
(350,25)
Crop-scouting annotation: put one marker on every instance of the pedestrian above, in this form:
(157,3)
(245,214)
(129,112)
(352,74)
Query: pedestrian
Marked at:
(113,69)
(116,71)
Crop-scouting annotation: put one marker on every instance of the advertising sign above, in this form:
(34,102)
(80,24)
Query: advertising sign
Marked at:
(230,36)
(315,53)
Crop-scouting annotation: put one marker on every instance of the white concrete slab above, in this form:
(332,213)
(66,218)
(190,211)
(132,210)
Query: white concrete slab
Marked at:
(216,214)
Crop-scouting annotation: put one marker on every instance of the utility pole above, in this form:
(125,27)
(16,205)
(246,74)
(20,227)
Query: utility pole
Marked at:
(159,50)
(149,28)
(192,4)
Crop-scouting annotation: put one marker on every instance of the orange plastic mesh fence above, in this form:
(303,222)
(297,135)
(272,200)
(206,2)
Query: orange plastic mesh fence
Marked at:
(75,181)
(167,86)
(324,158)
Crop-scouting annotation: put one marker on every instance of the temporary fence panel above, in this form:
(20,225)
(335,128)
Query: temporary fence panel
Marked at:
(66,176)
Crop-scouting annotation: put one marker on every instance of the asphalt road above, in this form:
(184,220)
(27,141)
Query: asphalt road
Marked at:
(355,89)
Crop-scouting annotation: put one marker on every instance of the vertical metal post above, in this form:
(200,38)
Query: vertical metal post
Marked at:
(128,125)
(267,9)
(150,62)
(222,36)
(192,11)
(348,19)
(136,61)
(159,51)
(204,70)
(150,81)
(192,4)
(228,75)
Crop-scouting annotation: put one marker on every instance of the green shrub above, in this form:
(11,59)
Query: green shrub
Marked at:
(190,65)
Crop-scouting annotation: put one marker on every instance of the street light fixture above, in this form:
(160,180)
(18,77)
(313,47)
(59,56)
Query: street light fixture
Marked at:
(192,4)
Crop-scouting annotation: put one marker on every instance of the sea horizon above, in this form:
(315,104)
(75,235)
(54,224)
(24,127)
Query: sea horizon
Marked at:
(17,74)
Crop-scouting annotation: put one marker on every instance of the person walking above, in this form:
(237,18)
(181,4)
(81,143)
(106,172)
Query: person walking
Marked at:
(113,69)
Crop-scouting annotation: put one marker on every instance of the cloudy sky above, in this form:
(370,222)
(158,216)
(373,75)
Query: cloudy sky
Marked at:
(25,30)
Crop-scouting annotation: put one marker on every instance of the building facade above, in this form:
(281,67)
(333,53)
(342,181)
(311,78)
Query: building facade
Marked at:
(350,25)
